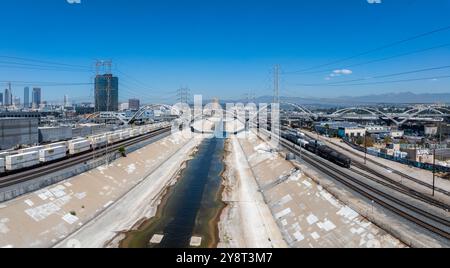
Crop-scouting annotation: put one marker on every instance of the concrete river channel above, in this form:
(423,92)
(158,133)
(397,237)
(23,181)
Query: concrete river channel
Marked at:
(191,208)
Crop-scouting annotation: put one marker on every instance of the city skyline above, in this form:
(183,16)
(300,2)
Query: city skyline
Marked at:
(228,49)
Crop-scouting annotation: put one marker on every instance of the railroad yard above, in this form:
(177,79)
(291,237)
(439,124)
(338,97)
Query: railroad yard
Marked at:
(275,197)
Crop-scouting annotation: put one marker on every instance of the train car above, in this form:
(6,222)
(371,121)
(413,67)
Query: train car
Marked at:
(4,155)
(20,161)
(334,156)
(57,144)
(98,141)
(311,146)
(142,130)
(31,149)
(135,132)
(79,147)
(303,142)
(52,154)
(113,137)
(124,135)
(2,165)
(341,159)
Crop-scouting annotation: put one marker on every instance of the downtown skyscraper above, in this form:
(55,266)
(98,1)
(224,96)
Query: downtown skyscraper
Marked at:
(37,97)
(106,93)
(26,97)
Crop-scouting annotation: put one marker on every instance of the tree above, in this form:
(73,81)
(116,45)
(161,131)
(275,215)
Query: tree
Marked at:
(123,151)
(369,142)
(327,129)
(387,140)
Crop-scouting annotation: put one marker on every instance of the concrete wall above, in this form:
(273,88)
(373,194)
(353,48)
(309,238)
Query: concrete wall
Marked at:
(90,130)
(17,190)
(14,191)
(18,131)
(54,134)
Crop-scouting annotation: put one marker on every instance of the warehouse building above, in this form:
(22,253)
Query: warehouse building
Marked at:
(18,131)
(54,134)
(341,129)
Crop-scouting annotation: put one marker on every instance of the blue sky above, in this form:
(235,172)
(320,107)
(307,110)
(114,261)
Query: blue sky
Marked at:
(223,48)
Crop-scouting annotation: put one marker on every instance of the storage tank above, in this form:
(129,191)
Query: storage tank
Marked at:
(52,154)
(23,160)
(79,147)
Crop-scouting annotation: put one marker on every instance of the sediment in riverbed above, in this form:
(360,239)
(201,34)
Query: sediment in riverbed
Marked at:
(122,240)
(206,206)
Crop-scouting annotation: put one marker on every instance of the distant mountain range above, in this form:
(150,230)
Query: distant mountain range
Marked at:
(390,98)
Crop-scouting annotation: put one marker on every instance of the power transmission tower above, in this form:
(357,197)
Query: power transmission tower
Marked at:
(103,68)
(183,95)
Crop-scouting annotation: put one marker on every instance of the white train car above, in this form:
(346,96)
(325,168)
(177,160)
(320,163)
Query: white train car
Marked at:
(52,154)
(135,132)
(19,161)
(79,147)
(142,130)
(98,141)
(113,137)
(58,144)
(4,155)
(125,134)
(31,149)
(2,165)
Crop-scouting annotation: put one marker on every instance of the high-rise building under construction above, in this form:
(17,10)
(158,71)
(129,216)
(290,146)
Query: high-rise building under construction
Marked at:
(106,93)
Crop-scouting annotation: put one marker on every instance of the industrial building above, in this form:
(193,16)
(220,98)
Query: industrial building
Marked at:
(85,130)
(18,114)
(18,131)
(106,93)
(134,104)
(341,129)
(54,134)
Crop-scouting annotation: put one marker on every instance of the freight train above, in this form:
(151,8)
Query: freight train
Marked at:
(318,148)
(14,161)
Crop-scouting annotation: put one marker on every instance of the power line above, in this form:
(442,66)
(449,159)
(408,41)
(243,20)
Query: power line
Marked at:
(375,49)
(384,82)
(45,62)
(42,68)
(37,83)
(381,76)
(376,60)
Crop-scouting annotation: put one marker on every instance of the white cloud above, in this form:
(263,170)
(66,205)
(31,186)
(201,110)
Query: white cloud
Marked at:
(343,71)
(339,72)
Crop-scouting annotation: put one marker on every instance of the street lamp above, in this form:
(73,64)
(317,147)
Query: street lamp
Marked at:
(365,148)
(434,169)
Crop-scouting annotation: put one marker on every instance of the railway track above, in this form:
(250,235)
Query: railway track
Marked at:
(399,187)
(433,223)
(31,174)
(406,176)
